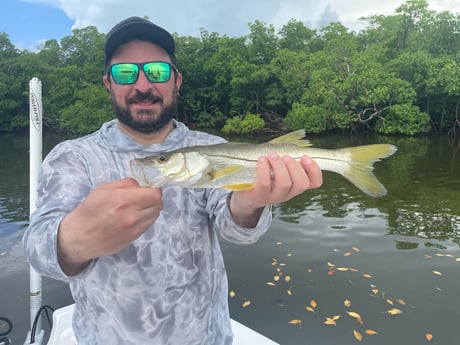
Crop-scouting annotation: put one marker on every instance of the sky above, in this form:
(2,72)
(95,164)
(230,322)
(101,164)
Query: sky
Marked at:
(29,23)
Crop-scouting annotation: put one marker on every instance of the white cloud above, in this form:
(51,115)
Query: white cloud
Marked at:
(187,17)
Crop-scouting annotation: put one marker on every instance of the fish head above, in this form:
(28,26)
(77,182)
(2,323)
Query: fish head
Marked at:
(176,168)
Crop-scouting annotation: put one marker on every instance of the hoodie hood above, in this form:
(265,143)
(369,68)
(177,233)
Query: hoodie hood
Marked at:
(112,138)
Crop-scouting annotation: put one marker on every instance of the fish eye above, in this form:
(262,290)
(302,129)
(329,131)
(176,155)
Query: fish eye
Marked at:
(162,158)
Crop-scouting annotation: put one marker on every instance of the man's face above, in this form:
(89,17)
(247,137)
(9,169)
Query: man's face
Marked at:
(143,106)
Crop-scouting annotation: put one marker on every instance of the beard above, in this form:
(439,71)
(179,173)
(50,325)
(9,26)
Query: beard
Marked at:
(150,123)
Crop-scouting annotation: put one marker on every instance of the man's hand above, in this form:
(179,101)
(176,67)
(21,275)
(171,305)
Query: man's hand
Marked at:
(278,179)
(112,216)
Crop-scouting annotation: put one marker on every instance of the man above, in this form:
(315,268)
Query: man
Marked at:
(144,264)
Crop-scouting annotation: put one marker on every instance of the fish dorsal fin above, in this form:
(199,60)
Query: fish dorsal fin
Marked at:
(218,173)
(296,138)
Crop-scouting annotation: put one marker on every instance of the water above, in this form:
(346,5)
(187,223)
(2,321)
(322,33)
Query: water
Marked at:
(335,244)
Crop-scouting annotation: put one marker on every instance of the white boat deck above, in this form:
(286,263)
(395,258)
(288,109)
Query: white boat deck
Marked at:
(62,334)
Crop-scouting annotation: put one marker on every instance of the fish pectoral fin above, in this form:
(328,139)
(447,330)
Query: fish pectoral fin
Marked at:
(219,173)
(296,138)
(238,186)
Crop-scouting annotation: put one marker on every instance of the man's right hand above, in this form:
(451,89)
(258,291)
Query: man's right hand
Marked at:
(112,216)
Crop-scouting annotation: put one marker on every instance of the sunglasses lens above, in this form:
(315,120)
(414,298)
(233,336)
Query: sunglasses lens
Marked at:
(157,72)
(125,73)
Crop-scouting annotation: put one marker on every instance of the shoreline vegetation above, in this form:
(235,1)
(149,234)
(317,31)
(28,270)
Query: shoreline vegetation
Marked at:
(399,75)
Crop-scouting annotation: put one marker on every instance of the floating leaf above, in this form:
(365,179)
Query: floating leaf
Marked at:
(282,264)
(366,275)
(437,273)
(271,284)
(232,294)
(389,301)
(310,309)
(354,314)
(279,243)
(457,259)
(375,291)
(357,335)
(296,322)
(401,301)
(289,254)
(428,336)
(346,254)
(370,332)
(343,269)
(276,278)
(246,303)
(330,264)
(289,292)
(346,303)
(394,311)
(313,303)
(287,279)
(428,256)
(356,249)
(331,320)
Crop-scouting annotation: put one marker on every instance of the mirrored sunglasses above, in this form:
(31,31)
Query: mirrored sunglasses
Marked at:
(128,73)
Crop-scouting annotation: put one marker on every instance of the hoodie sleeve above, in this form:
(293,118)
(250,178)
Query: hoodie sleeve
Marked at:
(219,211)
(63,183)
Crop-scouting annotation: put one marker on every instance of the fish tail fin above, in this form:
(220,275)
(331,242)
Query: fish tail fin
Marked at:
(361,165)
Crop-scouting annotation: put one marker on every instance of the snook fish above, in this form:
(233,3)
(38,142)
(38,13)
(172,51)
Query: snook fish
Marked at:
(233,165)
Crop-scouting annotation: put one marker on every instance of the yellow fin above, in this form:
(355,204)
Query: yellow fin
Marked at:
(238,186)
(362,164)
(296,138)
(218,173)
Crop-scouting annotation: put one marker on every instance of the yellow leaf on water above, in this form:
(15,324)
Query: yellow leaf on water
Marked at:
(271,284)
(276,278)
(354,314)
(289,292)
(279,243)
(330,321)
(389,301)
(457,259)
(296,322)
(246,303)
(282,264)
(365,275)
(336,317)
(289,254)
(346,303)
(401,301)
(357,335)
(428,336)
(437,273)
(356,249)
(330,264)
(375,291)
(232,294)
(287,279)
(346,254)
(313,303)
(310,309)
(370,332)
(343,269)
(394,311)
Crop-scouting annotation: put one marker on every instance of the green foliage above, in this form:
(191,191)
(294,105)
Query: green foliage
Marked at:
(242,125)
(404,119)
(311,118)
(390,77)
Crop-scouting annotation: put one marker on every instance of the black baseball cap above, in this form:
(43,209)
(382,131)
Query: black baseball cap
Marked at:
(138,28)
